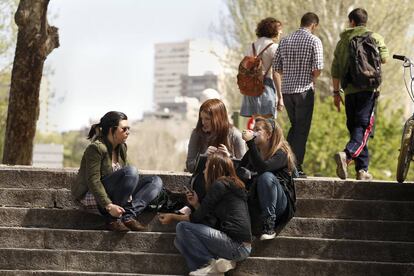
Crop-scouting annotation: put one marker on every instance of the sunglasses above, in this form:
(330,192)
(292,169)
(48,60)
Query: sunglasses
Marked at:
(125,129)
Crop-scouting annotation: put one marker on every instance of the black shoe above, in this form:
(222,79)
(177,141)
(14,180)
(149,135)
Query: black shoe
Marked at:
(301,173)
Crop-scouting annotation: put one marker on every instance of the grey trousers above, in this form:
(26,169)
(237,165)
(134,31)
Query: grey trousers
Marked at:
(300,110)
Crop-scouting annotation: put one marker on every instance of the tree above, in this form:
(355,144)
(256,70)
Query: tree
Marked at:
(389,18)
(8,33)
(35,40)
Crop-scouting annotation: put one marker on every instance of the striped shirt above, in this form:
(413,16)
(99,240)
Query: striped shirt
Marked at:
(297,56)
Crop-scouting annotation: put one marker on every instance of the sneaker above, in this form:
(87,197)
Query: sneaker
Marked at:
(209,269)
(341,165)
(268,232)
(134,225)
(224,265)
(117,226)
(364,175)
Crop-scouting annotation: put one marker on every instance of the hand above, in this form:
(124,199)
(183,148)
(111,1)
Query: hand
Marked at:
(337,98)
(114,210)
(247,135)
(222,148)
(165,218)
(211,150)
(280,105)
(192,199)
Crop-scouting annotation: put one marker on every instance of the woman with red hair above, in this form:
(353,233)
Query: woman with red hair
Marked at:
(213,133)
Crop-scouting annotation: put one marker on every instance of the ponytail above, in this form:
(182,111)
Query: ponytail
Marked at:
(94,131)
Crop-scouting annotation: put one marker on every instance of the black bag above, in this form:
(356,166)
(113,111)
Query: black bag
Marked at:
(364,69)
(167,202)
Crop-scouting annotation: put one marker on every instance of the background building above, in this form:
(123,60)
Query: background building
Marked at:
(183,70)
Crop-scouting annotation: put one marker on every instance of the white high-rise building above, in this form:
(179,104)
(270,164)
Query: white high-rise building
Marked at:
(188,58)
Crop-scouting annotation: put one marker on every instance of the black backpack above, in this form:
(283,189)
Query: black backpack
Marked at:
(364,69)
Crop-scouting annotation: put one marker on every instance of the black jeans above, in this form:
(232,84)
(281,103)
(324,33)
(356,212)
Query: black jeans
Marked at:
(125,183)
(359,109)
(299,108)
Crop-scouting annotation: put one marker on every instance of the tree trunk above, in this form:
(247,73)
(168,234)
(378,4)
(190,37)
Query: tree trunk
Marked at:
(35,40)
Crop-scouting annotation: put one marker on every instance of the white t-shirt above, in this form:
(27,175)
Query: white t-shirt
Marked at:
(267,56)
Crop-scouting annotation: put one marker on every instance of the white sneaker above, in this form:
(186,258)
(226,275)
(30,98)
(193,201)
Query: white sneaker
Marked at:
(224,265)
(268,236)
(209,269)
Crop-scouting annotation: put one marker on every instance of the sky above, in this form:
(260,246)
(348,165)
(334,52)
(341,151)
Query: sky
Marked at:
(106,53)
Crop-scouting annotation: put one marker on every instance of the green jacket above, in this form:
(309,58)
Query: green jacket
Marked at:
(341,54)
(95,165)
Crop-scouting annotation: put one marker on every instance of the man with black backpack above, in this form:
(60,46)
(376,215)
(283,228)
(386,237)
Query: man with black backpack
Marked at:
(357,69)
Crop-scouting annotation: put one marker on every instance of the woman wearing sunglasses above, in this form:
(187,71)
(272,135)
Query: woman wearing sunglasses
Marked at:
(106,181)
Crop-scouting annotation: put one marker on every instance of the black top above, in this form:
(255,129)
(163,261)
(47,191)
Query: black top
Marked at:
(278,165)
(254,161)
(228,204)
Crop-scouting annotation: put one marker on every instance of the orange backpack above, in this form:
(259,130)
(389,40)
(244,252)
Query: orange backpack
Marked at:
(250,75)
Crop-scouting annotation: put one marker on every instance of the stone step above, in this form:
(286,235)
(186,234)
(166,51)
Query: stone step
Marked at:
(156,242)
(298,227)
(67,273)
(312,187)
(149,263)
(316,207)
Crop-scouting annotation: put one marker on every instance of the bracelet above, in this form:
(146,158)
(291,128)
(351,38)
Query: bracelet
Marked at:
(336,93)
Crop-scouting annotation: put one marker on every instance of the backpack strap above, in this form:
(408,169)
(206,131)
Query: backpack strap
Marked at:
(265,48)
(254,49)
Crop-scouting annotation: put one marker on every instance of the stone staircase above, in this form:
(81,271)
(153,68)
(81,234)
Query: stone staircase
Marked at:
(340,228)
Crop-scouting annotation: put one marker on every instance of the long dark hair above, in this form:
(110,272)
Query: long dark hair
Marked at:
(220,167)
(109,121)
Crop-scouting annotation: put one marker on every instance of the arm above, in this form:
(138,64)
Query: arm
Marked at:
(383,50)
(238,144)
(278,84)
(169,217)
(192,153)
(213,196)
(317,65)
(276,162)
(337,98)
(277,61)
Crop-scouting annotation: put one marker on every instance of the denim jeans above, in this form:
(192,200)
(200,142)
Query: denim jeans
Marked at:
(199,244)
(272,198)
(125,183)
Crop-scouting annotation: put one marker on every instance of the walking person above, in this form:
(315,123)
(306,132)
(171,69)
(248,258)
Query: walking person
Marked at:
(359,101)
(299,59)
(105,179)
(268,33)
(215,249)
(271,164)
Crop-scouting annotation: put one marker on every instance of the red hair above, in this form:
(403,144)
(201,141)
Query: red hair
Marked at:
(220,124)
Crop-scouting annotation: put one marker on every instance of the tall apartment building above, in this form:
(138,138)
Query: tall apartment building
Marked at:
(176,62)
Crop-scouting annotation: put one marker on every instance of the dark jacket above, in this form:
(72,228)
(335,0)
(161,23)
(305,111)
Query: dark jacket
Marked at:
(228,204)
(278,165)
(95,165)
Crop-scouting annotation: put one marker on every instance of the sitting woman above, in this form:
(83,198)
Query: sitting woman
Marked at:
(272,163)
(210,249)
(213,133)
(106,181)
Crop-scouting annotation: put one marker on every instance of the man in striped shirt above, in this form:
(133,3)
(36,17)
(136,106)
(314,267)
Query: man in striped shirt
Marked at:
(299,59)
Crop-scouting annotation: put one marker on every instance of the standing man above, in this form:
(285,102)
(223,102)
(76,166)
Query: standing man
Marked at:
(359,102)
(299,59)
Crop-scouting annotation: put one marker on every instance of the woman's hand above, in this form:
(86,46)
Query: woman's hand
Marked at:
(114,210)
(165,218)
(211,150)
(280,105)
(222,148)
(247,135)
(192,199)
